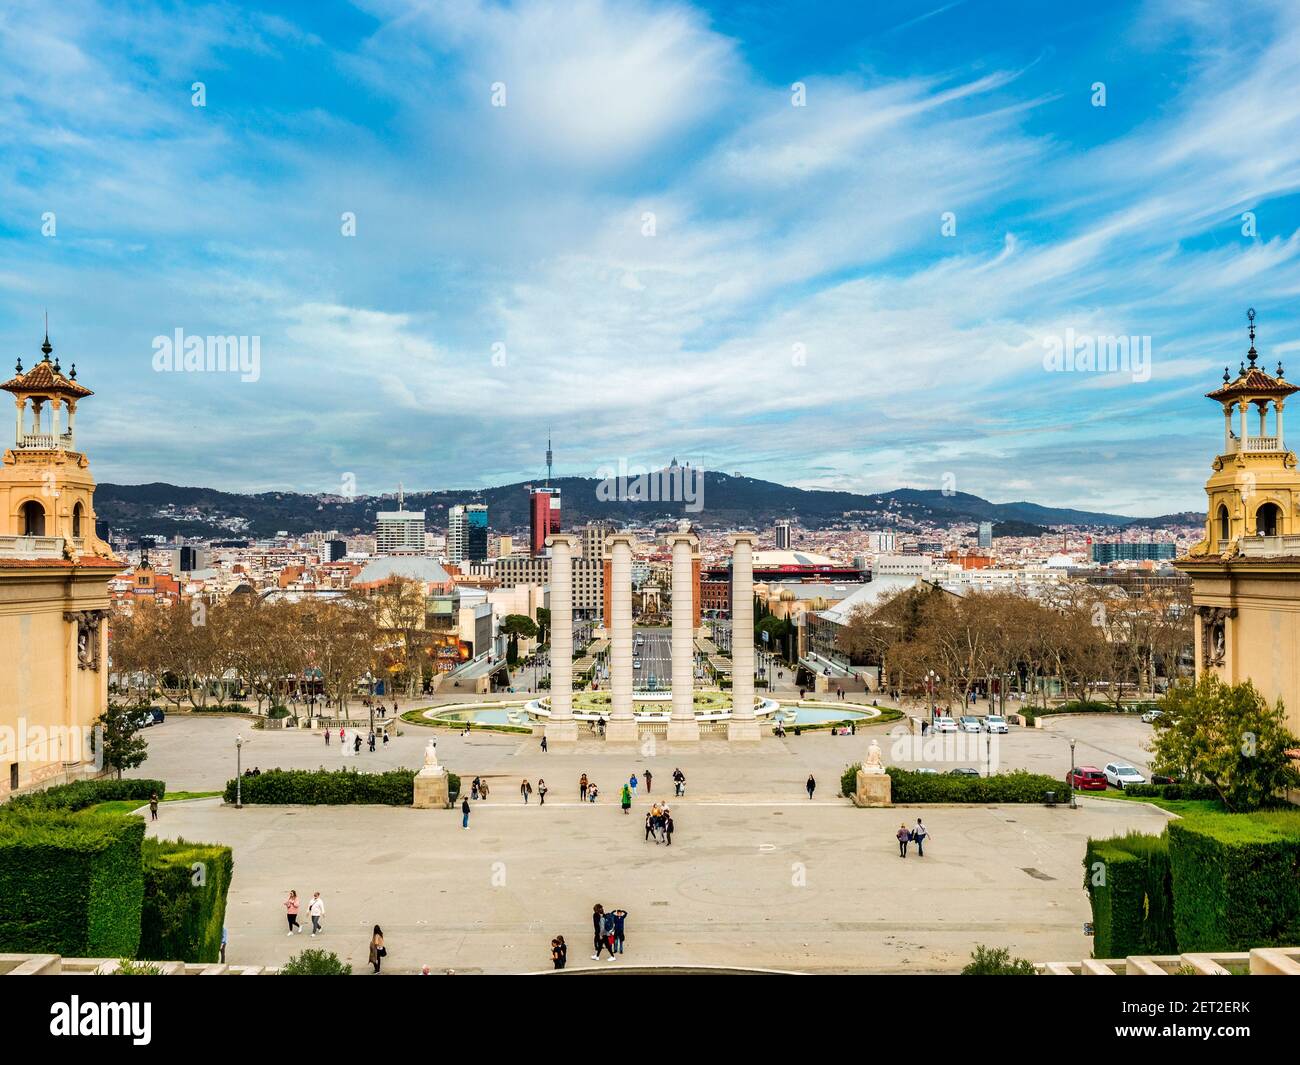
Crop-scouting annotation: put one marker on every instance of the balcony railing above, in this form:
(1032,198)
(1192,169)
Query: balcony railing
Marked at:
(31,547)
(45,441)
(1263,443)
(1270,546)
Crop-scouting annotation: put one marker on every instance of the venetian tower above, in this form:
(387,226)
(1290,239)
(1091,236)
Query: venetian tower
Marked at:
(1246,571)
(54,574)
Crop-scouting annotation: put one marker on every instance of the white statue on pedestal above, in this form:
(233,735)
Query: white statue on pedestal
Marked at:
(431,766)
(873,765)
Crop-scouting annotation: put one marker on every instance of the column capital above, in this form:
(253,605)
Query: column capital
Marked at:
(621,539)
(674,538)
(737,538)
(562,540)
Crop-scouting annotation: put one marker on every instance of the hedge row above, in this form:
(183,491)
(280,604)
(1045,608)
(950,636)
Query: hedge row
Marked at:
(1236,880)
(83,793)
(1075,706)
(327,787)
(1173,791)
(1131,892)
(1018,786)
(184,907)
(70,883)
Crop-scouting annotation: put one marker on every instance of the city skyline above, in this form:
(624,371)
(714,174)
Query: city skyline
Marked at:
(835,256)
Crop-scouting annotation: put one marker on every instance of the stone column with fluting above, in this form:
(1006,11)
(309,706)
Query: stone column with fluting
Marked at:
(621,727)
(743,726)
(561,727)
(682,726)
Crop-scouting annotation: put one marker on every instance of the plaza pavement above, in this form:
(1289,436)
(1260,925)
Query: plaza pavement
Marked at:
(757,875)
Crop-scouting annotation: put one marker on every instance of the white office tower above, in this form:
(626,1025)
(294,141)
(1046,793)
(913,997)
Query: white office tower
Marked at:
(400,531)
(986,534)
(457,534)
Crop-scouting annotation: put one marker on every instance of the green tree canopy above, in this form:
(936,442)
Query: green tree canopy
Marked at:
(1228,736)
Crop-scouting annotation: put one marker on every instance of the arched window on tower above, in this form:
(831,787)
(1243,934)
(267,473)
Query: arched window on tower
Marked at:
(32,518)
(1225,526)
(1268,519)
(76,521)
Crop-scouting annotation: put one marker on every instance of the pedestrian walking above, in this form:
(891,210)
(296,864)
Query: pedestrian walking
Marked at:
(378,952)
(626,800)
(317,910)
(582,788)
(811,785)
(385,737)
(291,911)
(559,952)
(903,837)
(631,783)
(473,789)
(648,779)
(224,938)
(372,741)
(619,917)
(342,736)
(525,789)
(602,937)
(666,821)
(543,752)
(679,782)
(919,833)
(483,789)
(650,825)
(327,737)
(356,744)
(541,792)
(153,807)
(464,812)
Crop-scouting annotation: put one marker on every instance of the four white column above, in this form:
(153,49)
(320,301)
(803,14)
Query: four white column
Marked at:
(682,725)
(743,726)
(621,727)
(561,727)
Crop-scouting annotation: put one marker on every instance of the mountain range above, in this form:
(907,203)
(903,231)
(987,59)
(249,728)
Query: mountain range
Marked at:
(727,502)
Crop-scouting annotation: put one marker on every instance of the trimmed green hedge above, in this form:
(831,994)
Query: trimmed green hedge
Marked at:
(83,793)
(1196,792)
(1131,892)
(849,780)
(70,883)
(1236,880)
(327,787)
(1094,706)
(185,888)
(1019,786)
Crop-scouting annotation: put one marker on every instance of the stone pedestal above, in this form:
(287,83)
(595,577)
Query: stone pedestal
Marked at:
(873,789)
(621,731)
(560,732)
(741,730)
(432,789)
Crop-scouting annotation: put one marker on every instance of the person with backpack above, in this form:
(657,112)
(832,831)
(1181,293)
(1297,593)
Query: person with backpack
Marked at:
(626,800)
(600,936)
(904,837)
(464,812)
(919,834)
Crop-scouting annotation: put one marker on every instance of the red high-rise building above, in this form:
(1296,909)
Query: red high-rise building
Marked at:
(544,516)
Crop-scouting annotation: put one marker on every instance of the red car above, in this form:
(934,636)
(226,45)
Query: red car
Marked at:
(1088,778)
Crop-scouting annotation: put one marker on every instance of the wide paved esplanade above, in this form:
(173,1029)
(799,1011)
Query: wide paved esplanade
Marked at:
(622,727)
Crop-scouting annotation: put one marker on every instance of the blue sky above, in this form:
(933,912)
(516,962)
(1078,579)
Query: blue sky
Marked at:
(649,250)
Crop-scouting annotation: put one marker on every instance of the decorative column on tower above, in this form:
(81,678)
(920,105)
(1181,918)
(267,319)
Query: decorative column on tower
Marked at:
(743,726)
(682,726)
(621,727)
(560,727)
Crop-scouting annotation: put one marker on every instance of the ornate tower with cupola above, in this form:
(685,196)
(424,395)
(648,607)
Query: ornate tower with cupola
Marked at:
(54,574)
(46,489)
(1246,570)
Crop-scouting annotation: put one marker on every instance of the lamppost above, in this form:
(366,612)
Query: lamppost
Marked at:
(931,679)
(1073,805)
(239,791)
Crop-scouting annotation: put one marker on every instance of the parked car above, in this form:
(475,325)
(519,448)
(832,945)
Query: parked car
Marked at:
(963,771)
(1088,778)
(968,723)
(1150,716)
(944,724)
(995,723)
(925,769)
(1122,775)
(158,713)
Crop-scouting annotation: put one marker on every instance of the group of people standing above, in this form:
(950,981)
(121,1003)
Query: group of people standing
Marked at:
(659,824)
(356,741)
